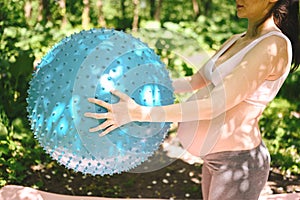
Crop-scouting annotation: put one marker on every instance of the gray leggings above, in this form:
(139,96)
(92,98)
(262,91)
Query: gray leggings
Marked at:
(235,175)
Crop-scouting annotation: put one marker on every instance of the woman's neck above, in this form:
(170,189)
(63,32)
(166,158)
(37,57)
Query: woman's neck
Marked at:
(255,30)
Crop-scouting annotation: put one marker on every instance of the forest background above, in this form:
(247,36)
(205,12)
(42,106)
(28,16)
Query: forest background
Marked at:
(29,28)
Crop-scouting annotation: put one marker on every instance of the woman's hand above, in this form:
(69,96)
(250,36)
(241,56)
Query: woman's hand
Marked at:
(118,114)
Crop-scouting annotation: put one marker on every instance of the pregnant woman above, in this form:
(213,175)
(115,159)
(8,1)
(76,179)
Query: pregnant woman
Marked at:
(219,122)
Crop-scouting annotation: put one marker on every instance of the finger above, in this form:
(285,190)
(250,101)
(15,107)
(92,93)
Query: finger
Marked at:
(97,115)
(100,103)
(95,129)
(105,125)
(111,128)
(120,94)
(102,126)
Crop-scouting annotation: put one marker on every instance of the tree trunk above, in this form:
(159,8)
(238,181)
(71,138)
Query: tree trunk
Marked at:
(196,8)
(152,9)
(207,7)
(135,23)
(101,19)
(86,14)
(123,9)
(62,6)
(158,11)
(40,11)
(44,13)
(28,10)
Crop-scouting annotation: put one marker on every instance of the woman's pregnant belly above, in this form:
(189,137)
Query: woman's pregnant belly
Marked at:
(199,137)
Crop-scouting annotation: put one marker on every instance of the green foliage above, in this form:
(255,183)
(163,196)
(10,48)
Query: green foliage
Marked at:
(210,32)
(291,87)
(173,49)
(18,150)
(17,57)
(171,10)
(7,18)
(280,126)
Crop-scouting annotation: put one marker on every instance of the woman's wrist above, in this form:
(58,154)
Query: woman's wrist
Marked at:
(170,113)
(140,114)
(148,114)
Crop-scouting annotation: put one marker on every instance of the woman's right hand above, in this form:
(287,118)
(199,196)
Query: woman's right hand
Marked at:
(118,114)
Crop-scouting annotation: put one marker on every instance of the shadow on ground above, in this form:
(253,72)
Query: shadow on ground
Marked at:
(173,178)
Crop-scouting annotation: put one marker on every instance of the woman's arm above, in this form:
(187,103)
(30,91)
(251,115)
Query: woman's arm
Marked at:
(244,80)
(190,83)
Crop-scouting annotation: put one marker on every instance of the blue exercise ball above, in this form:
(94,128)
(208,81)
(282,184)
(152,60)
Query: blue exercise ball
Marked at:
(90,64)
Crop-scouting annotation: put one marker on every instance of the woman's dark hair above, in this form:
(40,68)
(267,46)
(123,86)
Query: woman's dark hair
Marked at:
(286,17)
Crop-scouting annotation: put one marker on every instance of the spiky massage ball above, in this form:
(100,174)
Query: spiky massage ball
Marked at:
(90,64)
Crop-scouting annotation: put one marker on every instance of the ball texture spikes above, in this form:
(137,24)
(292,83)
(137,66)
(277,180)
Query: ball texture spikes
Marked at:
(90,64)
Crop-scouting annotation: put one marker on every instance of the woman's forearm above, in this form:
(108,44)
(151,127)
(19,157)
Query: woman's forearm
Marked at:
(201,109)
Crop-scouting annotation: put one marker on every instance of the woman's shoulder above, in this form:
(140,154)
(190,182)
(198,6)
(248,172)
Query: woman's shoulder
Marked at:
(275,40)
(275,34)
(273,48)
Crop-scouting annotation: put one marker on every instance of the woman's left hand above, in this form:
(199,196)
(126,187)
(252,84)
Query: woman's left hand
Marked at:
(118,114)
